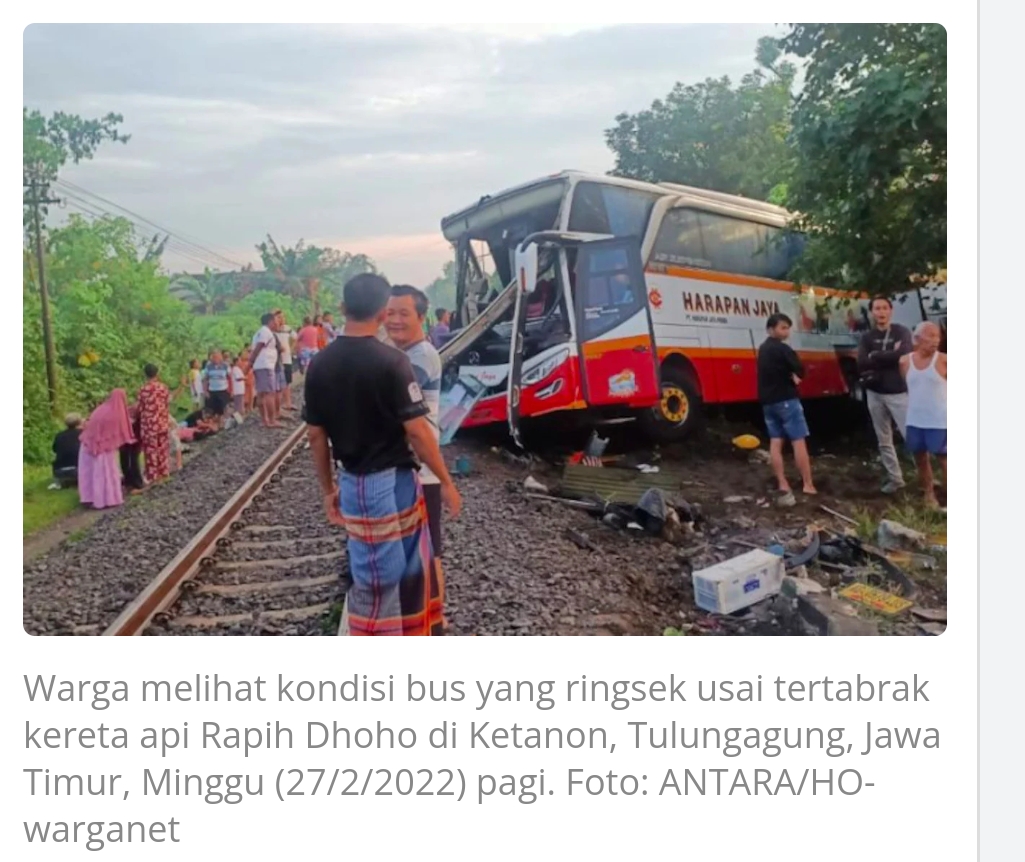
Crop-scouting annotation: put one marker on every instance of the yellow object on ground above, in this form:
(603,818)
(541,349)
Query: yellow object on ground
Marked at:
(747,441)
(876,599)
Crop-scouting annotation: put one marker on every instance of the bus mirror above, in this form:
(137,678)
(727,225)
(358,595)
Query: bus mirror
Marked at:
(526,268)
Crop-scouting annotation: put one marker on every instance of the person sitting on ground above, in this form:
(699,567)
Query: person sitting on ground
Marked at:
(197,425)
(779,374)
(65,450)
(925,373)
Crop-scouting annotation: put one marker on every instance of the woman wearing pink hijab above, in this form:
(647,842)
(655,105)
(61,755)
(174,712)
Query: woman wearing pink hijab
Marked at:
(106,430)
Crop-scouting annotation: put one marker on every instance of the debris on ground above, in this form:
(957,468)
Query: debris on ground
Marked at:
(531,484)
(617,484)
(581,540)
(737,499)
(876,599)
(747,441)
(934,615)
(738,583)
(840,515)
(932,628)
(760,456)
(894,536)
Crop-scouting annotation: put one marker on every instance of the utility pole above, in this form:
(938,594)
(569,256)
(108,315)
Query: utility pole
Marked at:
(51,358)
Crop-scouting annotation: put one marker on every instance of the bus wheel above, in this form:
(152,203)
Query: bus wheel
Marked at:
(678,414)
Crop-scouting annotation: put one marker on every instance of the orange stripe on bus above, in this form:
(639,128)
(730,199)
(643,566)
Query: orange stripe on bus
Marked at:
(735,353)
(748,281)
(595,349)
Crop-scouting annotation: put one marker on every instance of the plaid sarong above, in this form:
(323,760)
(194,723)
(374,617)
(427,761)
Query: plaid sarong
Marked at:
(395,588)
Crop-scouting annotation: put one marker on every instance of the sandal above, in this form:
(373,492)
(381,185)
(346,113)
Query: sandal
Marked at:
(786,499)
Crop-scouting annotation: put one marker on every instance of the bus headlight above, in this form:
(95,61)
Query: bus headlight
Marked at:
(540,372)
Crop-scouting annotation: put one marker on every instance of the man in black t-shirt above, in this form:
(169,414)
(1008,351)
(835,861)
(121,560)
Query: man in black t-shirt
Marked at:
(364,407)
(779,374)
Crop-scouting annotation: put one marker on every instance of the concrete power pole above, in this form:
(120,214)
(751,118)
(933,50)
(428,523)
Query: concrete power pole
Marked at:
(51,358)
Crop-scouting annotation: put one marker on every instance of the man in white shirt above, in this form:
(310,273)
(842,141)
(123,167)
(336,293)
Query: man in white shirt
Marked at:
(264,363)
(286,341)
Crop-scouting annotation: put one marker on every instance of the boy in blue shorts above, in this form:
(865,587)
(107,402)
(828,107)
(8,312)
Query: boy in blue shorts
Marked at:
(779,373)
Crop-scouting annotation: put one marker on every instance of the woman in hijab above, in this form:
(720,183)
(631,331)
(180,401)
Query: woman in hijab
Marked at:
(106,430)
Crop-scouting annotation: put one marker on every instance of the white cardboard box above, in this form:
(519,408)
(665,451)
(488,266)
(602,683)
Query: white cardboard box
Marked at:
(734,584)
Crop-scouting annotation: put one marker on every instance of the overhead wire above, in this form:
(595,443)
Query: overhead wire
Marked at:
(182,240)
(172,243)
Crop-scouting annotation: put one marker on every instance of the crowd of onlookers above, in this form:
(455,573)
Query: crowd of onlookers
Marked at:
(126,446)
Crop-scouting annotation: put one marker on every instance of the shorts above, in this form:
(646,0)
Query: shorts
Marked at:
(785,420)
(279,377)
(288,373)
(432,497)
(931,440)
(239,402)
(266,383)
(217,402)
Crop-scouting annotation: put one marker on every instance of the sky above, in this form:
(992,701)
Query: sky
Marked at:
(357,137)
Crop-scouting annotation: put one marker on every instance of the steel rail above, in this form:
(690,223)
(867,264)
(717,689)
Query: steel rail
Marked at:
(163,590)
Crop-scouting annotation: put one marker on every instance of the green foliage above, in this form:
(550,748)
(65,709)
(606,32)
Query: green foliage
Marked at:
(233,328)
(205,293)
(304,271)
(47,144)
(712,134)
(869,139)
(442,291)
(111,313)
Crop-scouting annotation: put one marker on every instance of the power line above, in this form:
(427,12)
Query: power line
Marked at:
(98,213)
(172,244)
(66,186)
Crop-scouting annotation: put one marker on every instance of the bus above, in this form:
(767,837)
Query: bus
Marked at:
(634,300)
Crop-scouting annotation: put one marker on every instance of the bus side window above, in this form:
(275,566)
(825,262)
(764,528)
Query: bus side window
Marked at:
(679,239)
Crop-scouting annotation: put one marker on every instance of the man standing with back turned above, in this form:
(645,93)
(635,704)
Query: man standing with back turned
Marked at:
(364,407)
(879,353)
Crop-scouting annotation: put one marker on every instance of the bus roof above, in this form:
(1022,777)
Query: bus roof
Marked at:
(571,178)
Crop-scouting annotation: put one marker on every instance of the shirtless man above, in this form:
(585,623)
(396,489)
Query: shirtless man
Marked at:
(925,372)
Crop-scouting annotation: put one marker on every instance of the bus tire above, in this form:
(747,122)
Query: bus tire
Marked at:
(680,412)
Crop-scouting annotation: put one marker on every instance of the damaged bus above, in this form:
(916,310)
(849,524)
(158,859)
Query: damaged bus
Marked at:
(632,300)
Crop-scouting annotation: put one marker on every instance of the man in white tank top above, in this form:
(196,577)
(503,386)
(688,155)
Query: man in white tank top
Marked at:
(925,372)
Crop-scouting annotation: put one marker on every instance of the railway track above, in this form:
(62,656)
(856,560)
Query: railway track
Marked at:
(268,563)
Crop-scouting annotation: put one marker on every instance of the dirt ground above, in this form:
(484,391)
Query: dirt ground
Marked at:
(639,585)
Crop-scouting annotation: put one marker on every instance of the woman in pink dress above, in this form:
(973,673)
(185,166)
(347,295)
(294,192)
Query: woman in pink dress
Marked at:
(107,429)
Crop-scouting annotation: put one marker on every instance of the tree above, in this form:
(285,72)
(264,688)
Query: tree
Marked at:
(869,166)
(302,270)
(46,147)
(206,293)
(713,135)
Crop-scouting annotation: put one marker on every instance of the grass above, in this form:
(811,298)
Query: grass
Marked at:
(42,507)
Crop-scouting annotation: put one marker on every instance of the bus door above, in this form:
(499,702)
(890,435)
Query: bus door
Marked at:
(618,361)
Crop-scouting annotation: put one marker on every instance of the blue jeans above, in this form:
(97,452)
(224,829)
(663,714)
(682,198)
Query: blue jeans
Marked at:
(785,420)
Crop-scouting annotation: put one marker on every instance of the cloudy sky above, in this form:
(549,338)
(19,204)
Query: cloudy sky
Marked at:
(357,137)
